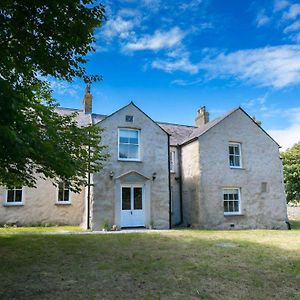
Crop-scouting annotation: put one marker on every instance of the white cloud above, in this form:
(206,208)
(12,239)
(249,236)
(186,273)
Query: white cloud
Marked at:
(182,82)
(262,19)
(181,64)
(159,40)
(293,12)
(280,5)
(153,5)
(289,136)
(293,27)
(119,27)
(277,66)
(192,4)
(258,103)
(64,88)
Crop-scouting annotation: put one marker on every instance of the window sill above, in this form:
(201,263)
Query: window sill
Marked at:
(63,203)
(234,215)
(13,204)
(236,168)
(130,160)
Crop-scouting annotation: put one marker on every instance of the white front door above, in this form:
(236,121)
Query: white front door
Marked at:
(132,206)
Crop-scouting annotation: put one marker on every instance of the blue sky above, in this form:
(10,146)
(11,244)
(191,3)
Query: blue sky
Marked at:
(171,57)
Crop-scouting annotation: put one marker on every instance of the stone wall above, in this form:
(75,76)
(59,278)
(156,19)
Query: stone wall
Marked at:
(260,163)
(191,183)
(293,212)
(40,207)
(154,160)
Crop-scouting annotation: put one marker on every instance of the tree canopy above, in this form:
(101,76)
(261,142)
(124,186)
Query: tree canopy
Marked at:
(291,172)
(39,39)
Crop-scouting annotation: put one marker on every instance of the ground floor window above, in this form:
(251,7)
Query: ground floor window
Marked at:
(63,193)
(14,195)
(232,201)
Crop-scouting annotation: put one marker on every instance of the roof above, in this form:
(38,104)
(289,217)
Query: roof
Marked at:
(198,131)
(179,134)
(82,118)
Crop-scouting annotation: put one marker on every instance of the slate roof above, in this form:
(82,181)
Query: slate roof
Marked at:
(82,118)
(179,134)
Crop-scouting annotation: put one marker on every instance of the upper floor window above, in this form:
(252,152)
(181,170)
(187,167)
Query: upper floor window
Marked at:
(129,144)
(172,161)
(232,201)
(235,156)
(14,195)
(63,193)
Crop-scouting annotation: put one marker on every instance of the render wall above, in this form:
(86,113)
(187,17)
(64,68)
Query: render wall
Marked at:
(260,163)
(191,183)
(154,159)
(40,207)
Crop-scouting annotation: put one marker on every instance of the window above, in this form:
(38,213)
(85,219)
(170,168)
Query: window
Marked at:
(172,161)
(231,201)
(14,195)
(129,144)
(235,157)
(63,193)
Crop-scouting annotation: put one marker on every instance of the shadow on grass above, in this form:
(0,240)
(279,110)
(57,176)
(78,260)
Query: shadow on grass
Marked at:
(178,265)
(295,224)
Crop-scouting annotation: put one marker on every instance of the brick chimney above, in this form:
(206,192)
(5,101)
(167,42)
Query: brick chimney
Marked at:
(202,117)
(87,100)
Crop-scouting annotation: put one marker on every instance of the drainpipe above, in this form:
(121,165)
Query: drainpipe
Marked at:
(169,173)
(89,190)
(180,184)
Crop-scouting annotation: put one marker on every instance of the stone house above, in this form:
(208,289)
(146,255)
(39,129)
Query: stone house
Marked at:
(225,173)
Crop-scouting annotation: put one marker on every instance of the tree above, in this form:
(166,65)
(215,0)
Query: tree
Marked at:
(291,172)
(39,39)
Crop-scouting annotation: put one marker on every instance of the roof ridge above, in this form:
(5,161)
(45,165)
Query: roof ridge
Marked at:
(69,108)
(175,124)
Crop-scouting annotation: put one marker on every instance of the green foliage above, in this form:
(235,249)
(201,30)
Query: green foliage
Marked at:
(38,39)
(291,172)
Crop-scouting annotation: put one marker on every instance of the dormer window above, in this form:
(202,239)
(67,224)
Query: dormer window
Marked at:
(129,144)
(235,155)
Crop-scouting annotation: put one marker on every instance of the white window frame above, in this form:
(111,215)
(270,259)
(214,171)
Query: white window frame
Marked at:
(139,144)
(234,144)
(14,203)
(232,213)
(63,202)
(172,159)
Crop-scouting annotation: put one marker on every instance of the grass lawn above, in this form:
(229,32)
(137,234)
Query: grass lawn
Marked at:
(179,264)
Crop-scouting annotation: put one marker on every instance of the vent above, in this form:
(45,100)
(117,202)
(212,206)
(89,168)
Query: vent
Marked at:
(264,187)
(129,119)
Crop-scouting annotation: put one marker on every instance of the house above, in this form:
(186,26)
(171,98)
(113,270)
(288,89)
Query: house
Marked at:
(225,173)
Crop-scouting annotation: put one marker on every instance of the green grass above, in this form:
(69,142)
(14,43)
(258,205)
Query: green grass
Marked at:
(38,229)
(179,264)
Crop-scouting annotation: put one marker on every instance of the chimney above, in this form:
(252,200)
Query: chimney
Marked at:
(87,100)
(202,117)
